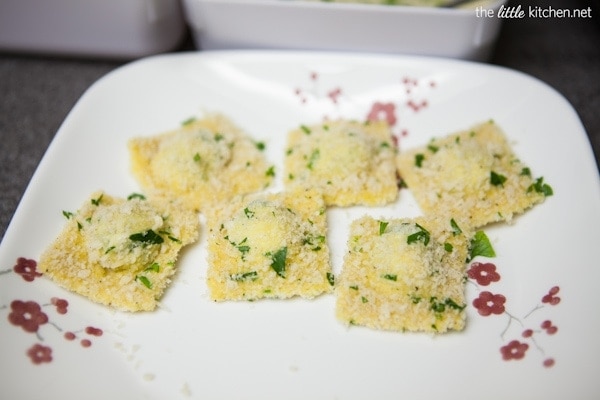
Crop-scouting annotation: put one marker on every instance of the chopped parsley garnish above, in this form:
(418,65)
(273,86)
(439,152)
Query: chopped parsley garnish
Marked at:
(455,228)
(390,277)
(433,148)
(155,267)
(421,234)
(111,248)
(382,226)
(314,156)
(248,212)
(136,196)
(148,237)
(188,121)
(330,278)
(197,157)
(439,307)
(448,247)
(145,281)
(497,179)
(305,129)
(540,187)
(67,214)
(260,146)
(481,246)
(270,171)
(419,160)
(278,261)
(244,276)
(97,201)
(526,171)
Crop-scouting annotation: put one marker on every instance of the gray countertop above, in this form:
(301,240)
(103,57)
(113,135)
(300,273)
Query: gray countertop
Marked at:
(37,92)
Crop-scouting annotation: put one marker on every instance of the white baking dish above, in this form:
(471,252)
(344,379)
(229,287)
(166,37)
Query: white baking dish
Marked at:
(100,28)
(295,24)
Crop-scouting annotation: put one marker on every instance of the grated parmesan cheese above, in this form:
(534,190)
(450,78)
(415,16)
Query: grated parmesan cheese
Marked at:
(350,162)
(204,162)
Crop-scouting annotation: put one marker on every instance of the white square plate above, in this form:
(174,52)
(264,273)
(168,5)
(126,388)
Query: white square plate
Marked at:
(541,344)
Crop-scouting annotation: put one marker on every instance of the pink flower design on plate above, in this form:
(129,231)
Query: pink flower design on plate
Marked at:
(40,354)
(488,303)
(514,350)
(27,269)
(483,273)
(551,297)
(27,314)
(383,111)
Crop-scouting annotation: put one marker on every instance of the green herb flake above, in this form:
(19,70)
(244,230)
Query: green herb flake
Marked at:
(455,228)
(154,267)
(148,237)
(314,156)
(364,299)
(145,281)
(67,214)
(390,277)
(448,247)
(330,278)
(138,196)
(248,213)
(188,121)
(526,171)
(353,287)
(219,137)
(260,145)
(481,246)
(278,261)
(433,148)
(419,158)
(305,129)
(97,201)
(270,171)
(497,179)
(197,157)
(540,187)
(422,234)
(111,248)
(382,226)
(244,276)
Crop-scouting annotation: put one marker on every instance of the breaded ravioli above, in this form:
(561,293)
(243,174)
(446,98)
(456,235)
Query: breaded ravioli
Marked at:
(271,245)
(473,175)
(404,275)
(120,252)
(204,162)
(350,162)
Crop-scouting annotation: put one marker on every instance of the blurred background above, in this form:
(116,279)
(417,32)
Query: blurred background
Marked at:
(39,84)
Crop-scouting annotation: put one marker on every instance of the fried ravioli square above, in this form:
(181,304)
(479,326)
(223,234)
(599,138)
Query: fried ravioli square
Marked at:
(350,162)
(473,175)
(405,274)
(272,245)
(205,161)
(120,252)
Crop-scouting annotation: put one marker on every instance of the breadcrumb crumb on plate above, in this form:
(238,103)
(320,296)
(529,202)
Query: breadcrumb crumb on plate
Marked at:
(351,162)
(272,245)
(404,274)
(120,252)
(473,175)
(203,162)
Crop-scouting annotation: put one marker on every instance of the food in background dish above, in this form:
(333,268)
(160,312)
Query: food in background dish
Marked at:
(404,275)
(350,162)
(120,252)
(204,162)
(473,175)
(269,246)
